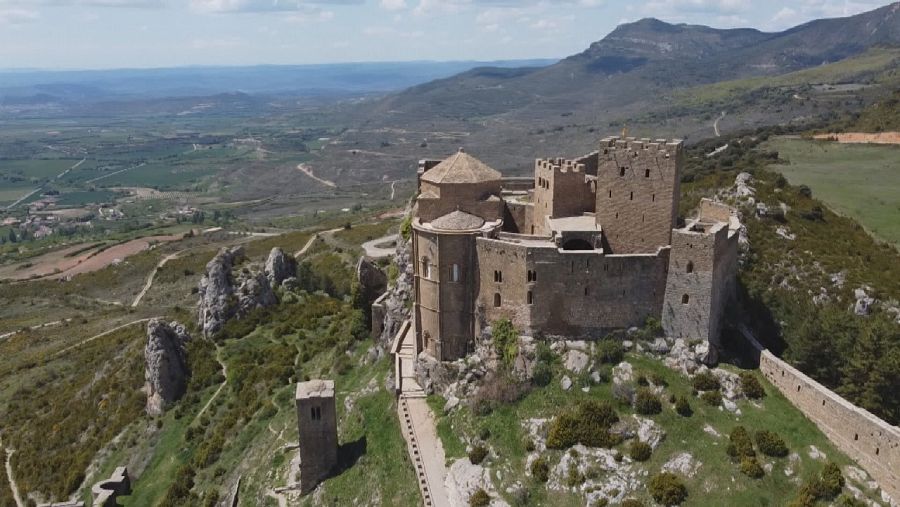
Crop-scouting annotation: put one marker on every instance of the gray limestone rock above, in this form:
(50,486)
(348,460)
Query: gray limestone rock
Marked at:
(863,301)
(254,292)
(166,369)
(396,309)
(216,291)
(565,383)
(372,280)
(279,267)
(576,361)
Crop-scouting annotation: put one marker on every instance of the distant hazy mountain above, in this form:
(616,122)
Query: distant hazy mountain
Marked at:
(330,79)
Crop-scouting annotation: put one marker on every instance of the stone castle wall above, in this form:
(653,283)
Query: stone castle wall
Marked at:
(561,189)
(868,440)
(519,217)
(572,293)
(637,193)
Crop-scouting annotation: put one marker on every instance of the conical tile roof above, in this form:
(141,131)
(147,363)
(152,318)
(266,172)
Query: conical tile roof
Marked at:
(461,168)
(457,221)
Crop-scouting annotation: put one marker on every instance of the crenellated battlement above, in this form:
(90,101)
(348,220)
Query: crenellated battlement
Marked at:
(560,165)
(614,144)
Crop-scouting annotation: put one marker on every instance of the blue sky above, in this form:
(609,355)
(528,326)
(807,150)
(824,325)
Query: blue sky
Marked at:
(162,33)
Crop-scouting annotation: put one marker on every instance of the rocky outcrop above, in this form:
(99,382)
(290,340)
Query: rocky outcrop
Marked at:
(216,304)
(372,280)
(395,306)
(279,267)
(166,369)
(225,295)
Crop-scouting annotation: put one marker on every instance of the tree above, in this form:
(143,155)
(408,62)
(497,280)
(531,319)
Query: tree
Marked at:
(12,236)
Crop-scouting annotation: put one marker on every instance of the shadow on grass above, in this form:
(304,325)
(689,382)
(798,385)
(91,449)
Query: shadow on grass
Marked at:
(348,454)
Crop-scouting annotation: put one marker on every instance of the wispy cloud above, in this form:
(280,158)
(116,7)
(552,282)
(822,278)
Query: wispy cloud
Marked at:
(238,6)
(17,16)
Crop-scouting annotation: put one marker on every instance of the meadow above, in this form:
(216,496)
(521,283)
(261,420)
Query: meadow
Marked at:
(855,180)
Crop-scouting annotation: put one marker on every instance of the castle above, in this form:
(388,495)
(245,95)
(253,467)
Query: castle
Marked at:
(585,247)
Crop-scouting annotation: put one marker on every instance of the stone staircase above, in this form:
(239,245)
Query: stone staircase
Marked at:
(414,452)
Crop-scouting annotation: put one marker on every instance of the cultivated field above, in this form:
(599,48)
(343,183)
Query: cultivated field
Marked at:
(859,181)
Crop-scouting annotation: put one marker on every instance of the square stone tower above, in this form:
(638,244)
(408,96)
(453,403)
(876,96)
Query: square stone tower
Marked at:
(317,424)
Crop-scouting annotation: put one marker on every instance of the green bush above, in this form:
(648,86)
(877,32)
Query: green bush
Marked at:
(751,386)
(574,478)
(632,502)
(740,445)
(506,340)
(540,470)
(751,468)
(640,451)
(705,381)
(667,489)
(588,424)
(646,402)
(479,498)
(712,398)
(832,481)
(658,380)
(477,454)
(542,374)
(683,407)
(770,444)
(642,381)
(609,351)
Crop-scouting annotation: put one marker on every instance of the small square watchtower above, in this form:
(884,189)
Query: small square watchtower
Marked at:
(317,426)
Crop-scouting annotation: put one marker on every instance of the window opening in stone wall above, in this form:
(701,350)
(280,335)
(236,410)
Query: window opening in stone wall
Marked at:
(529,298)
(621,171)
(610,194)
(685,299)
(496,300)
(426,268)
(647,173)
(454,272)
(690,267)
(855,437)
(316,413)
(631,197)
(653,198)
(876,451)
(586,291)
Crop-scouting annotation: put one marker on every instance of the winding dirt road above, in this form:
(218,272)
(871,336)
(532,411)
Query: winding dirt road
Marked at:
(308,171)
(716,124)
(9,475)
(150,278)
(101,335)
(219,390)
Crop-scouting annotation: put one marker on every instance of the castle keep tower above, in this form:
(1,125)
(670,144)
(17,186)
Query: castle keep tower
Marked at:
(637,193)
(701,278)
(317,424)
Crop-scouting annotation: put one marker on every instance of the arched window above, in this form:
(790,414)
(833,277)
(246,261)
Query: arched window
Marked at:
(496,300)
(454,272)
(426,268)
(685,299)
(690,266)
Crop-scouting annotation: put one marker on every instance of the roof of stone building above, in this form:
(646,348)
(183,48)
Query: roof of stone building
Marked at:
(457,221)
(461,168)
(315,389)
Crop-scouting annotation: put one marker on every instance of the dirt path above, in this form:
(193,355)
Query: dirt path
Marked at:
(33,328)
(9,475)
(308,171)
(861,138)
(98,260)
(393,190)
(101,335)
(150,278)
(373,250)
(219,390)
(313,239)
(716,124)
(98,178)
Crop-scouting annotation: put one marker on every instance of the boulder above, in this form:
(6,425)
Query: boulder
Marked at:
(682,463)
(622,373)
(863,305)
(576,361)
(254,292)
(166,369)
(464,478)
(279,267)
(649,432)
(565,383)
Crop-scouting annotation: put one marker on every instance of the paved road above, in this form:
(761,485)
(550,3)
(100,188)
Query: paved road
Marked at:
(373,250)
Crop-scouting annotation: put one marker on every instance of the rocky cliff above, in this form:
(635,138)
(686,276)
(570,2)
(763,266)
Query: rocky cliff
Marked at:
(166,368)
(225,294)
(397,306)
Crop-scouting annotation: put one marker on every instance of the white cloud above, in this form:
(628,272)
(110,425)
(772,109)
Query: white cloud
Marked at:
(393,5)
(235,6)
(17,16)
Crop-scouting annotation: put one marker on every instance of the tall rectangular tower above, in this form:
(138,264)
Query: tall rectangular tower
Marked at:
(317,424)
(637,193)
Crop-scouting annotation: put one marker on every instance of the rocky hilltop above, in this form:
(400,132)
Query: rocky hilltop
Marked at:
(166,371)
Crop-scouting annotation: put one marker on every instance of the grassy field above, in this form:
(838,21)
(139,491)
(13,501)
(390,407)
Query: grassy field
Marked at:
(859,181)
(704,434)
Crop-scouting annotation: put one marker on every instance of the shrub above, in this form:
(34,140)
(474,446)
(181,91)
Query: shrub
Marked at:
(642,381)
(574,478)
(658,380)
(750,467)
(740,445)
(477,454)
(770,444)
(646,402)
(712,398)
(832,481)
(751,386)
(640,451)
(479,498)
(683,407)
(498,389)
(609,351)
(529,445)
(705,381)
(542,374)
(540,469)
(632,502)
(667,489)
(506,340)
(588,424)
